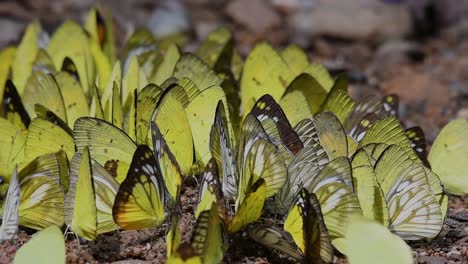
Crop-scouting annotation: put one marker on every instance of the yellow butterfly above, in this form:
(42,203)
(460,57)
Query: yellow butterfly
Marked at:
(305,236)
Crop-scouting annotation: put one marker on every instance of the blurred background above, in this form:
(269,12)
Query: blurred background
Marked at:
(417,49)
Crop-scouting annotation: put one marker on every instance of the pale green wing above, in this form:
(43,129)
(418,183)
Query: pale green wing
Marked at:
(95,108)
(147,100)
(105,189)
(101,31)
(389,131)
(107,144)
(25,55)
(172,121)
(339,103)
(45,247)
(173,237)
(265,72)
(216,47)
(331,135)
(438,190)
(74,98)
(166,68)
(46,137)
(201,113)
(370,195)
(307,133)
(302,98)
(449,154)
(252,130)
(369,242)
(72,36)
(80,202)
(115,76)
(43,89)
(321,74)
(55,165)
(296,58)
(190,66)
(12,141)
(117,110)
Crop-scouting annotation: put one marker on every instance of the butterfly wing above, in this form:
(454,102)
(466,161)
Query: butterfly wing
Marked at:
(414,211)
(107,144)
(10,212)
(80,201)
(140,201)
(222,151)
(46,246)
(209,238)
(13,108)
(334,189)
(277,239)
(305,224)
(167,163)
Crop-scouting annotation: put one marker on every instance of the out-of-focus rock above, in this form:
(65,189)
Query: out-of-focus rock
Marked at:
(293,5)
(424,96)
(11,31)
(57,7)
(451,11)
(257,16)
(418,88)
(368,20)
(432,260)
(463,113)
(170,18)
(391,54)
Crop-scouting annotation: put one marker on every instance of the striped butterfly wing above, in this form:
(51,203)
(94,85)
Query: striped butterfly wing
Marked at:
(223,152)
(414,211)
(10,212)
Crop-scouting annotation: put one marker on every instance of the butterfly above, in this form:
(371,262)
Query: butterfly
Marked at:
(414,211)
(305,236)
(257,171)
(151,188)
(208,242)
(92,185)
